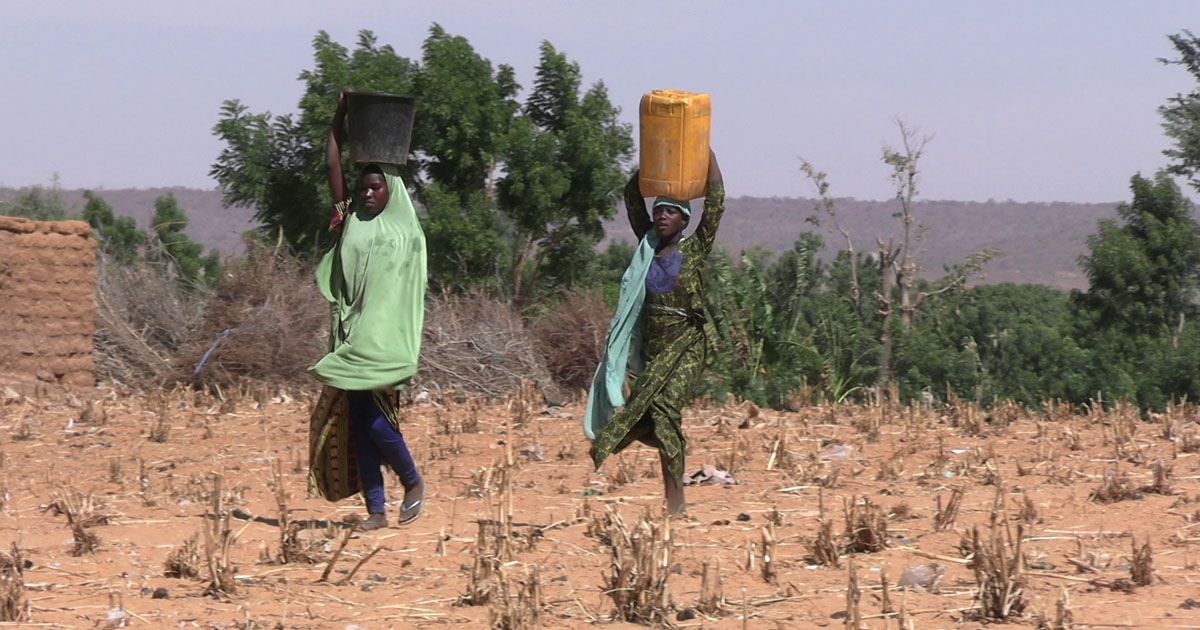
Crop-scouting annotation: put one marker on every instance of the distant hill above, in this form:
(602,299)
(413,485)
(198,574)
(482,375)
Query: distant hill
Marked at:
(1040,242)
(209,222)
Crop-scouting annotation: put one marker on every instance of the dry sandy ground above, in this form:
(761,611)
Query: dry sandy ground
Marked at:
(147,497)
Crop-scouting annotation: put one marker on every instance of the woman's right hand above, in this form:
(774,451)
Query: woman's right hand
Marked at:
(714,169)
(333,151)
(339,114)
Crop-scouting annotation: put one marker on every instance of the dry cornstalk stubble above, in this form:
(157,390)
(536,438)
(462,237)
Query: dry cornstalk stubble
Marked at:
(184,560)
(522,610)
(1141,564)
(946,514)
(218,542)
(291,548)
(640,565)
(821,549)
(996,562)
(13,605)
(866,527)
(712,589)
(82,513)
(493,542)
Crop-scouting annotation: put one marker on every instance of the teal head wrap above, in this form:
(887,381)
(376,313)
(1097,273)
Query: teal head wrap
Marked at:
(684,206)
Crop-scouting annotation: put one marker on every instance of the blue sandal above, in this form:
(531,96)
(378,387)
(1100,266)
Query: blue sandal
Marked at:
(414,500)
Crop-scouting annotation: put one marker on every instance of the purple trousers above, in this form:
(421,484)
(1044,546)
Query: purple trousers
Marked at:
(376,441)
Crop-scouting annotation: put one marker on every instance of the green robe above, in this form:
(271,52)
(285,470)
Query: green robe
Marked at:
(673,344)
(374,279)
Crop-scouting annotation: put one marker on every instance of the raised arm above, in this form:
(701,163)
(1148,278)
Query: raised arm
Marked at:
(714,207)
(635,206)
(333,153)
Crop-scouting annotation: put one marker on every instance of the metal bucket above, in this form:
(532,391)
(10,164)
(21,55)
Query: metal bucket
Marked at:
(380,126)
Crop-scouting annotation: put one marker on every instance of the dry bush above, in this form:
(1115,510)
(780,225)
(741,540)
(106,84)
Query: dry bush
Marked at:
(1064,618)
(853,597)
(1028,513)
(22,431)
(13,605)
(143,319)
(291,548)
(1189,442)
(483,583)
(480,484)
(890,468)
(570,337)
(736,457)
(623,471)
(1074,440)
(160,430)
(478,345)
(275,318)
(115,472)
(769,553)
(781,457)
(868,422)
(1162,480)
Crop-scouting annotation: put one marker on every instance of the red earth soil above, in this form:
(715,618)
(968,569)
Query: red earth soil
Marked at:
(138,473)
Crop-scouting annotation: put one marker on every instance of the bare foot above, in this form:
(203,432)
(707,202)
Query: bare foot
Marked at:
(673,489)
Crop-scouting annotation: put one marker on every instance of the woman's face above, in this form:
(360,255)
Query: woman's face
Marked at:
(668,221)
(373,192)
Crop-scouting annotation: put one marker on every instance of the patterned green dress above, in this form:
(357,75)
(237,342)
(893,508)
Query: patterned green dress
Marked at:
(673,343)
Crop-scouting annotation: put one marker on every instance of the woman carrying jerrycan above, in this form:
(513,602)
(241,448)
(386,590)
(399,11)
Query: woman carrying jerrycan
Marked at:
(657,331)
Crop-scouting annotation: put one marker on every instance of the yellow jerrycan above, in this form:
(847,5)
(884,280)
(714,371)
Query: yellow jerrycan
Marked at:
(674,144)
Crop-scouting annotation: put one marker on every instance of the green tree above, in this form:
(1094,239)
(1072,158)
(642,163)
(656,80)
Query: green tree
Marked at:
(900,288)
(1140,301)
(1004,341)
(42,203)
(277,163)
(464,240)
(1181,114)
(1141,267)
(119,237)
(561,157)
(773,328)
(177,254)
(563,161)
(464,112)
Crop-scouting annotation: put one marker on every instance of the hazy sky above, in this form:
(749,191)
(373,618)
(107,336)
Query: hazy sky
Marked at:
(1028,100)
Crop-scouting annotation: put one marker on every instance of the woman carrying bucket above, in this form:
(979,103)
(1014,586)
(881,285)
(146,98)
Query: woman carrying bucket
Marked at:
(658,331)
(374,279)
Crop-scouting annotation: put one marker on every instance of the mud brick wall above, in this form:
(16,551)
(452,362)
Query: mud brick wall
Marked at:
(47,301)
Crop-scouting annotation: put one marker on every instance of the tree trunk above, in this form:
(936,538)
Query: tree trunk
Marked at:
(887,279)
(517,273)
